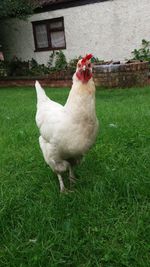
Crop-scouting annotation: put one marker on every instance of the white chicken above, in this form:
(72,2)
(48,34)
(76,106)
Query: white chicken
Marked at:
(68,132)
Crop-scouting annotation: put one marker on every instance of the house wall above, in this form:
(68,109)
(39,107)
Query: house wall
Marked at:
(109,30)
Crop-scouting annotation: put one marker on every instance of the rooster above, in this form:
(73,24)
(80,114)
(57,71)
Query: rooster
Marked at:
(68,132)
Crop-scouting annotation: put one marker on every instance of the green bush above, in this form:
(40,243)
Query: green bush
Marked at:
(57,62)
(143,53)
(73,63)
(37,69)
(61,62)
(3,68)
(51,61)
(17,67)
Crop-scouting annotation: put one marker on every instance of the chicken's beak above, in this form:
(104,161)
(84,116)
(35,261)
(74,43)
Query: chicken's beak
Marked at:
(84,68)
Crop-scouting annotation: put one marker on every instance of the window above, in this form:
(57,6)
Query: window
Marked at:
(49,34)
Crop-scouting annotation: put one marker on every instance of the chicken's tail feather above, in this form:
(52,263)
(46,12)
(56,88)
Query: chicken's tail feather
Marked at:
(41,96)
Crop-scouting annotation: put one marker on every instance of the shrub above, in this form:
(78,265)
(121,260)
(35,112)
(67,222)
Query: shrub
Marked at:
(37,69)
(61,62)
(3,68)
(17,67)
(73,63)
(51,61)
(142,53)
(57,62)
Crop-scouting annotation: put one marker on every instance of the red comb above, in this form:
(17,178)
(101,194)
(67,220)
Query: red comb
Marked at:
(87,57)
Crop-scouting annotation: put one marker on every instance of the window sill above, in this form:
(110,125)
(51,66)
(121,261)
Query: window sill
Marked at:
(48,49)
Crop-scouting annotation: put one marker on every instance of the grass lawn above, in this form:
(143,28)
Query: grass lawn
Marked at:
(105,222)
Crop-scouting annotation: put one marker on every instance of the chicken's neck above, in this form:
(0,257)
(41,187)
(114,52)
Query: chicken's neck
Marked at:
(81,99)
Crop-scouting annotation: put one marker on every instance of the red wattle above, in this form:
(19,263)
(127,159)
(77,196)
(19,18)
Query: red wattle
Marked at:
(84,76)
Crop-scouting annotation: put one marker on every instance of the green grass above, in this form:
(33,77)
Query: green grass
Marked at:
(105,222)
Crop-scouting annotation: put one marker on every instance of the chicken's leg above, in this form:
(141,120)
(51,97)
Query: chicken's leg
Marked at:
(61,183)
(72,177)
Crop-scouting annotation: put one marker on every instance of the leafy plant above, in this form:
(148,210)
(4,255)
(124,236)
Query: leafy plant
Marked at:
(3,68)
(96,60)
(17,8)
(144,52)
(2,64)
(61,62)
(57,62)
(17,67)
(51,61)
(37,69)
(73,63)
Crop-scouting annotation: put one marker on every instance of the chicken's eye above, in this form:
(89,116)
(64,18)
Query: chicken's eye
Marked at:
(79,65)
(89,65)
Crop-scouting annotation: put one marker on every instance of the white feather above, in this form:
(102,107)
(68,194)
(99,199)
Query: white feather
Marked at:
(66,131)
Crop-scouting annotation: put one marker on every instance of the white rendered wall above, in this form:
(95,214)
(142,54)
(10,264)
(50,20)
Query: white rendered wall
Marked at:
(109,30)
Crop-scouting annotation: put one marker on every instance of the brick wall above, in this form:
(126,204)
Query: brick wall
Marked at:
(121,75)
(109,76)
(26,81)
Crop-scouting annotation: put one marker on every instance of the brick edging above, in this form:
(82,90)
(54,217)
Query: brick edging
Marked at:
(109,76)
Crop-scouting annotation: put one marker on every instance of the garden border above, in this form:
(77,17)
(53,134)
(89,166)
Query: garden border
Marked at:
(106,75)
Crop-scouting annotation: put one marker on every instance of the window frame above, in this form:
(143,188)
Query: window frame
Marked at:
(48,22)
